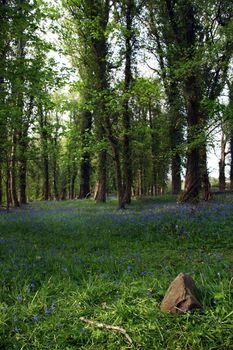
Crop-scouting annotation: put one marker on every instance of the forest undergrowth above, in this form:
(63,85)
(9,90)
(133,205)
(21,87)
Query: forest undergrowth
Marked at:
(60,261)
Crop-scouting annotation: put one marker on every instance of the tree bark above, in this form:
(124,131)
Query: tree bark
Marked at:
(100,195)
(154,152)
(45,155)
(205,183)
(14,194)
(193,175)
(23,166)
(55,178)
(1,188)
(120,189)
(176,177)
(8,200)
(117,163)
(127,153)
(73,178)
(85,166)
(175,134)
(222,177)
(231,164)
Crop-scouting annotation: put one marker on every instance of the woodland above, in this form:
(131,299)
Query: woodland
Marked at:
(80,116)
(108,105)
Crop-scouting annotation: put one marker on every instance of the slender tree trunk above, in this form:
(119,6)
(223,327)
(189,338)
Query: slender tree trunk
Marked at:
(1,188)
(54,161)
(222,177)
(100,195)
(22,127)
(117,163)
(205,183)
(85,166)
(2,132)
(4,22)
(23,167)
(154,152)
(127,153)
(176,177)
(46,176)
(73,178)
(13,170)
(120,189)
(55,178)
(38,185)
(8,199)
(231,165)
(45,155)
(175,140)
(64,190)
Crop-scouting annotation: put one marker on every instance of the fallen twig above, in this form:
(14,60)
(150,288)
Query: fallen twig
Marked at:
(108,326)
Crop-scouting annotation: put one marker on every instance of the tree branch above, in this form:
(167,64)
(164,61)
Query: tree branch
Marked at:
(108,326)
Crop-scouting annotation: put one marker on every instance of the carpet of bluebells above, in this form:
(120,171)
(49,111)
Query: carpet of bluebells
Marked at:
(63,260)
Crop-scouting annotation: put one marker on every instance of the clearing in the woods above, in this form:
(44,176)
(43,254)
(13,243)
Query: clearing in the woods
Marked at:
(60,261)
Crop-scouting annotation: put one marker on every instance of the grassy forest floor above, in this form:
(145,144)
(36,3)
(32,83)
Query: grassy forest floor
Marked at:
(63,260)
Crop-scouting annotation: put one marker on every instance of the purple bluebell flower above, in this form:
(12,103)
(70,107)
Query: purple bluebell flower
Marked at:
(36,318)
(15,318)
(20,298)
(143,273)
(129,268)
(47,311)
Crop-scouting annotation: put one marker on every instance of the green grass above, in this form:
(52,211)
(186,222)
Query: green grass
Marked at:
(63,260)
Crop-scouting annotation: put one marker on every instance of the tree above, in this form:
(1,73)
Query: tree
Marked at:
(161,47)
(191,31)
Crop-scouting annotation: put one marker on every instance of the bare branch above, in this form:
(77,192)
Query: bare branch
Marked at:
(108,326)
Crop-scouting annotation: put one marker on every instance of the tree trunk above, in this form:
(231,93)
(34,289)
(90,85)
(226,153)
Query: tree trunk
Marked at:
(55,178)
(84,176)
(45,155)
(176,177)
(85,166)
(14,195)
(222,178)
(7,186)
(127,154)
(117,163)
(193,174)
(46,175)
(55,162)
(1,189)
(23,167)
(154,152)
(100,195)
(73,178)
(205,184)
(175,141)
(120,189)
(22,126)
(231,165)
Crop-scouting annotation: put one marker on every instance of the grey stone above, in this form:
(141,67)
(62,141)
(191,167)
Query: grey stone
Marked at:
(180,296)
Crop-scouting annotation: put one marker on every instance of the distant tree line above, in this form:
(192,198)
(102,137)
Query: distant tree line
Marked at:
(114,130)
